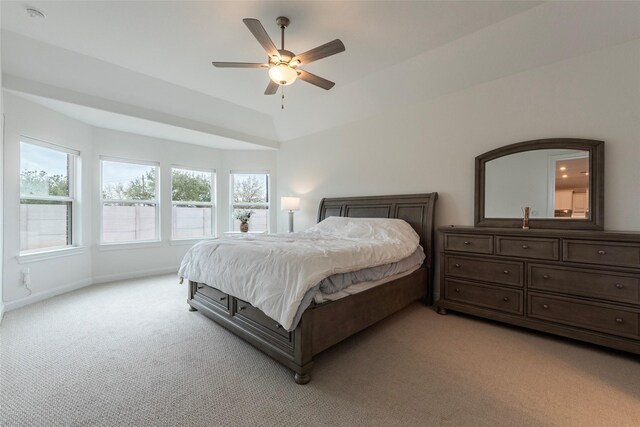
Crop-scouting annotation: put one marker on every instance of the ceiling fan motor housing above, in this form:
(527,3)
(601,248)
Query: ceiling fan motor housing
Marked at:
(285,56)
(282,21)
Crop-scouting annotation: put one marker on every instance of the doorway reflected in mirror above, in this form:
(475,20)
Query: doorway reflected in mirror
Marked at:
(571,185)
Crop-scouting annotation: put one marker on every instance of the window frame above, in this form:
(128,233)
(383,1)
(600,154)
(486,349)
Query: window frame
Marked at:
(232,205)
(155,202)
(212,203)
(73,220)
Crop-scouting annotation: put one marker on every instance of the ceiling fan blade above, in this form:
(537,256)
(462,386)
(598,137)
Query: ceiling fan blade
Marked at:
(319,52)
(315,80)
(272,88)
(261,35)
(239,65)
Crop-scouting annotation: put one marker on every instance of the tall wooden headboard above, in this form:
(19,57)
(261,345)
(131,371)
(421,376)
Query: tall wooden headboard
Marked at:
(416,209)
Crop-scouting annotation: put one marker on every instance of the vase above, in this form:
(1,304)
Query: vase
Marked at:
(244,227)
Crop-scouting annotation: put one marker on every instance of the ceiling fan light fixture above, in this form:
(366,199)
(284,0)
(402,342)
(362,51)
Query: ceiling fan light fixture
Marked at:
(282,74)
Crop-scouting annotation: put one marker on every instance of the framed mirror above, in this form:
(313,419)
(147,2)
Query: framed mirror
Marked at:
(561,180)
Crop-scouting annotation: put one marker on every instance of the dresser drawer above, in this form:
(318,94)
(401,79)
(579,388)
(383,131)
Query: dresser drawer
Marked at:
(219,298)
(536,248)
(605,253)
(577,313)
(494,297)
(472,243)
(588,283)
(502,272)
(259,320)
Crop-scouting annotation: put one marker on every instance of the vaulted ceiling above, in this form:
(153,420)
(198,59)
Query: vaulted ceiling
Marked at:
(135,65)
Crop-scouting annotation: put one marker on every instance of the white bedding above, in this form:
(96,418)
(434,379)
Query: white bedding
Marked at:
(274,272)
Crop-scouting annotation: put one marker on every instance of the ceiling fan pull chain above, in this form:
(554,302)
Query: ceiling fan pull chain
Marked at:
(282,97)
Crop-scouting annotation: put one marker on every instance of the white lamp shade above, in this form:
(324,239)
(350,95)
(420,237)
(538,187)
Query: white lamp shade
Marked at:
(290,203)
(283,74)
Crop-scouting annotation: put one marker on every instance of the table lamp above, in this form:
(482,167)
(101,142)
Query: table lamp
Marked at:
(291,204)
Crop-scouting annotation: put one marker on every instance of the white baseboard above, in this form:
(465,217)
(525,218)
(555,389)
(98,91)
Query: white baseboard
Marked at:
(133,275)
(1,309)
(39,296)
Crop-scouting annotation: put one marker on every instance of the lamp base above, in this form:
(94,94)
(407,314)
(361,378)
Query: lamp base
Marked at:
(290,221)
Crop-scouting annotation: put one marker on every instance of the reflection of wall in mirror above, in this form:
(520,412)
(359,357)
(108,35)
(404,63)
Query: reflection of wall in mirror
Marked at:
(517,180)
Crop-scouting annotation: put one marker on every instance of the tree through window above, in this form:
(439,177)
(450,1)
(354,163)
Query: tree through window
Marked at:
(129,201)
(193,203)
(47,195)
(250,192)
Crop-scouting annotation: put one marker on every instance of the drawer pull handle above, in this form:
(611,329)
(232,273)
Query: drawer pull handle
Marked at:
(242,307)
(457,289)
(601,252)
(456,265)
(619,320)
(278,325)
(545,306)
(546,276)
(467,243)
(222,298)
(505,299)
(619,286)
(505,272)
(525,247)
(200,286)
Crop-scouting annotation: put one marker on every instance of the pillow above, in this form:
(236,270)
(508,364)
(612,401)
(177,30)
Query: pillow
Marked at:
(386,229)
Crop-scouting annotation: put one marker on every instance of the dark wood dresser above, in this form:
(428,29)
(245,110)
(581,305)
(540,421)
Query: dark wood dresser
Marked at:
(579,284)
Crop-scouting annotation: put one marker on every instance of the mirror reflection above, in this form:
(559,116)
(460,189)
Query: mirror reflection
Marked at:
(554,183)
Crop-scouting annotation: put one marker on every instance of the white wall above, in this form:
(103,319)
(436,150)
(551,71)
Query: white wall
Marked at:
(431,146)
(1,190)
(98,263)
(51,275)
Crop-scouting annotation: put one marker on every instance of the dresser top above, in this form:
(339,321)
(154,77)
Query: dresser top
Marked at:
(630,236)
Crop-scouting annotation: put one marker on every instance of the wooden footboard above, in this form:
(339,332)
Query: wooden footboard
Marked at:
(333,322)
(321,326)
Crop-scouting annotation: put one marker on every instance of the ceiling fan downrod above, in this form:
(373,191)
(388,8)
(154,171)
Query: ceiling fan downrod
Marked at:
(283,23)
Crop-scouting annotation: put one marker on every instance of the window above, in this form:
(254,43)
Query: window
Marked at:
(129,201)
(193,203)
(250,192)
(47,195)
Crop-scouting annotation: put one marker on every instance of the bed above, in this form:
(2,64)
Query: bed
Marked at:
(324,324)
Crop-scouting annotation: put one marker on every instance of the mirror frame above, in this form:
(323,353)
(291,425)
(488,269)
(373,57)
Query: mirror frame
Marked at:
(596,184)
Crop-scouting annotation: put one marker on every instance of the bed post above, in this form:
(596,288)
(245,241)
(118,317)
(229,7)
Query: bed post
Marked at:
(191,291)
(303,356)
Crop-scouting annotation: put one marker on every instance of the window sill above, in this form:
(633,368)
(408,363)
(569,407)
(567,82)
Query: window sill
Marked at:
(54,253)
(129,245)
(180,242)
(233,233)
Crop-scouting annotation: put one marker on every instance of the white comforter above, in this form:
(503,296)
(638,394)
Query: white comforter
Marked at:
(273,272)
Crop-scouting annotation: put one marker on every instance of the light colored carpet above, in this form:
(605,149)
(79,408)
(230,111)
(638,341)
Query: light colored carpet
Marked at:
(129,353)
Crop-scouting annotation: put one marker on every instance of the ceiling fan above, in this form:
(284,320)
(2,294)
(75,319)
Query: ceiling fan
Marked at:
(283,64)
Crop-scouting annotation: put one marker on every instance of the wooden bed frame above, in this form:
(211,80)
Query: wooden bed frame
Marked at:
(326,324)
